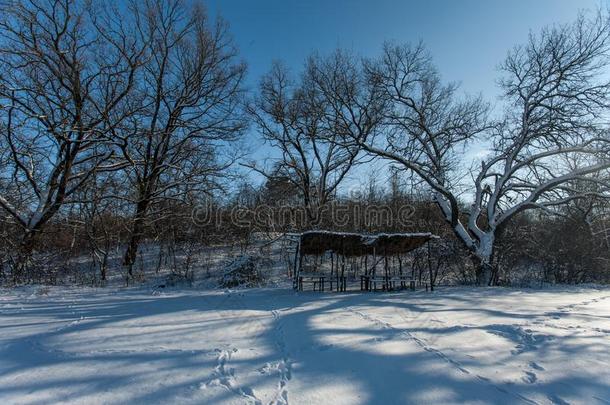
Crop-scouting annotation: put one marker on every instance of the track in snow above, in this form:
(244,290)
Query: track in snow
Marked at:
(455,364)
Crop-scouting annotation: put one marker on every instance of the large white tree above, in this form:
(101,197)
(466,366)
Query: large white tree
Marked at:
(552,131)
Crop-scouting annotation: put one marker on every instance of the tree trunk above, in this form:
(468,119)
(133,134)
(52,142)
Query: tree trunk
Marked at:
(104,266)
(135,237)
(23,258)
(484,271)
(482,255)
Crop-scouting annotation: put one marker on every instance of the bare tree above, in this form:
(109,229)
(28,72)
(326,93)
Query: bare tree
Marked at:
(555,96)
(299,122)
(101,217)
(188,107)
(66,66)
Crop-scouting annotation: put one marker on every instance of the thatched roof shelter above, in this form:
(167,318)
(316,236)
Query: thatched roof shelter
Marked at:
(355,244)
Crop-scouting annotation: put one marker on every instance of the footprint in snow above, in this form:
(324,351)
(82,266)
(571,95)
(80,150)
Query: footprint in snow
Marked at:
(530,377)
(557,400)
(225,377)
(524,339)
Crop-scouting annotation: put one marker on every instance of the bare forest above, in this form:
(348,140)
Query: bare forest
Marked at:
(126,125)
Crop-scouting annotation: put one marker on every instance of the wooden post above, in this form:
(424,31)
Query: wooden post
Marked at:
(300,262)
(332,265)
(296,261)
(399,265)
(430,268)
(385,268)
(374,262)
(412,268)
(342,268)
(419,270)
(338,264)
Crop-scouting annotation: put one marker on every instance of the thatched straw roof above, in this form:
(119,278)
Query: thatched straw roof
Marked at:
(355,244)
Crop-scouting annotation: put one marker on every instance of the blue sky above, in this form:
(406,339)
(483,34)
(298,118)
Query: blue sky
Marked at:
(467,38)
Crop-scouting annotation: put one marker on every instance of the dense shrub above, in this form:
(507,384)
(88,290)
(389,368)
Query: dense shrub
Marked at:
(244,271)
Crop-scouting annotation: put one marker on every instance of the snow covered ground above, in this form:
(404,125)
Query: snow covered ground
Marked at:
(274,346)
